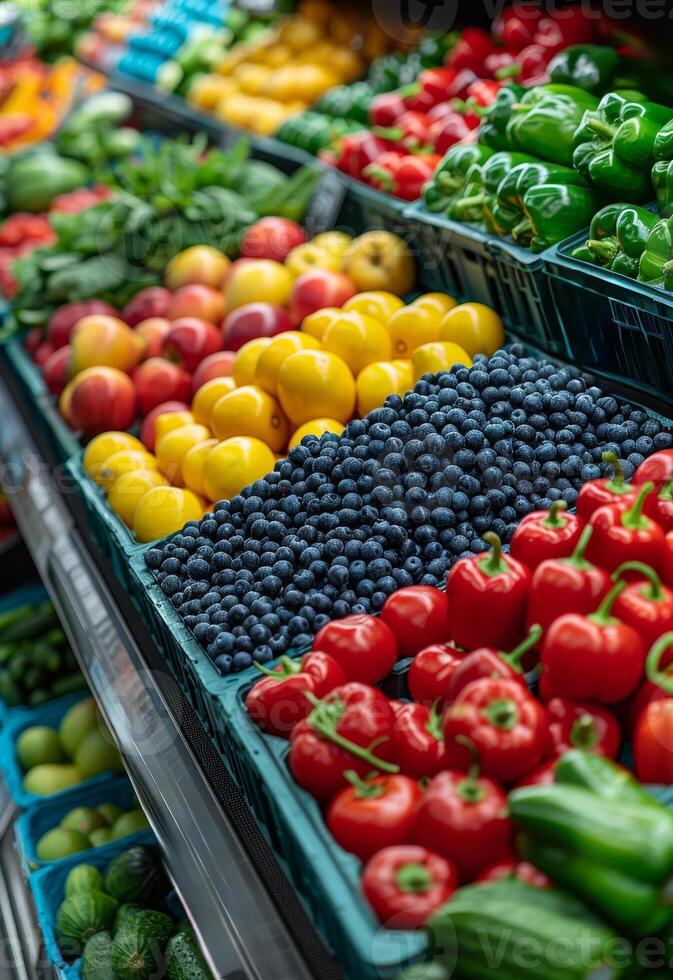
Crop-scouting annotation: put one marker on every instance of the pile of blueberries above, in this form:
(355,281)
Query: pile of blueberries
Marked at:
(394,501)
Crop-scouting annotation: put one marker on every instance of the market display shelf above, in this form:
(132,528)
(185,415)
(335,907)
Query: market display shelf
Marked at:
(243,931)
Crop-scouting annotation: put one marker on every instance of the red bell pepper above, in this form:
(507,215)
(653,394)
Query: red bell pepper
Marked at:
(405,885)
(430,672)
(593,658)
(363,645)
(487,599)
(357,150)
(373,813)
(278,701)
(565,585)
(488,662)
(382,174)
(506,726)
(564,27)
(582,725)
(517,25)
(418,740)
(438,85)
(667,560)
(451,129)
(653,735)
(625,535)
(531,66)
(501,64)
(418,615)
(647,605)
(658,469)
(349,729)
(543,775)
(546,534)
(386,108)
(483,92)
(413,174)
(463,816)
(513,868)
(598,493)
(471,50)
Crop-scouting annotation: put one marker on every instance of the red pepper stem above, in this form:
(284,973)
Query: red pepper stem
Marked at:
(618,482)
(514,657)
(554,520)
(577,558)
(653,591)
(633,519)
(583,733)
(652,665)
(434,725)
(324,720)
(289,666)
(364,789)
(413,879)
(494,564)
(603,615)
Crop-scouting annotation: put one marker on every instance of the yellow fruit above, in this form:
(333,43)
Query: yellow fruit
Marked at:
(358,339)
(207,90)
(235,463)
(276,56)
(258,281)
(124,461)
(334,242)
(244,370)
(251,411)
(347,63)
(379,380)
(439,356)
(477,328)
(252,78)
(164,510)
(193,465)
(208,394)
(299,32)
(316,427)
(174,446)
(307,256)
(377,303)
(380,260)
(413,326)
(170,420)
(272,357)
(316,384)
(436,302)
(103,446)
(317,323)
(126,491)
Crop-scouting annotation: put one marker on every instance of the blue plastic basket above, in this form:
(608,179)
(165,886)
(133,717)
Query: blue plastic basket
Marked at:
(43,817)
(615,326)
(48,887)
(50,715)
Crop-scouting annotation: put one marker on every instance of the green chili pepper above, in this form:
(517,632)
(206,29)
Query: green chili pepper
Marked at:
(509,207)
(589,66)
(544,122)
(448,181)
(554,212)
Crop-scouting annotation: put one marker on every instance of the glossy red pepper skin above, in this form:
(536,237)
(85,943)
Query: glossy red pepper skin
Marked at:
(405,885)
(542,775)
(667,560)
(488,595)
(373,813)
(336,737)
(563,27)
(546,534)
(592,658)
(483,92)
(658,469)
(382,174)
(451,129)
(565,585)
(440,85)
(471,50)
(464,818)
(598,493)
(625,535)
(278,701)
(357,150)
(487,662)
(386,108)
(582,725)
(363,645)
(513,868)
(516,26)
(645,604)
(418,741)
(431,670)
(413,173)
(418,616)
(653,734)
(504,724)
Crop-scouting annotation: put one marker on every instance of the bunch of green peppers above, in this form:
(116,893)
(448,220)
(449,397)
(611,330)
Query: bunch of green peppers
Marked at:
(662,171)
(448,182)
(476,202)
(614,145)
(656,262)
(313,131)
(618,236)
(598,833)
(510,213)
(544,121)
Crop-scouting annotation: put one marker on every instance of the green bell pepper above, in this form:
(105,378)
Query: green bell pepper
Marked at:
(662,171)
(493,126)
(614,146)
(449,179)
(481,183)
(618,236)
(347,102)
(553,212)
(544,122)
(656,262)
(589,66)
(509,207)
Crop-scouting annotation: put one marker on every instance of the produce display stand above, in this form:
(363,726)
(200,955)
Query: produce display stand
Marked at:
(247,917)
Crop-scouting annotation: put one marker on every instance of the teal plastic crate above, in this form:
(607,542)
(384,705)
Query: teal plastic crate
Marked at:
(616,327)
(43,817)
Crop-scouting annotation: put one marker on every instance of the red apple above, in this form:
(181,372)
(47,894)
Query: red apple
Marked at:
(101,399)
(150,302)
(197,301)
(147,429)
(218,365)
(63,320)
(190,340)
(43,352)
(254,320)
(272,238)
(317,289)
(159,380)
(153,333)
(56,370)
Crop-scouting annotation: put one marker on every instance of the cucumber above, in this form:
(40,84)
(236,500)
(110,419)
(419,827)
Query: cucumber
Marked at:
(97,958)
(136,876)
(138,947)
(184,960)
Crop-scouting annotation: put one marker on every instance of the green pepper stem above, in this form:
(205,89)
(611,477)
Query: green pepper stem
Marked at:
(600,128)
(406,91)
(447,182)
(434,725)
(603,248)
(392,133)
(514,657)
(653,664)
(502,713)
(324,720)
(413,879)
(577,558)
(364,789)
(554,520)
(618,482)
(476,201)
(633,519)
(289,666)
(469,788)
(508,71)
(603,615)
(653,590)
(494,564)
(583,733)
(524,227)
